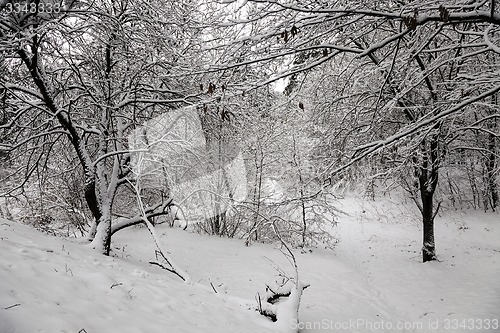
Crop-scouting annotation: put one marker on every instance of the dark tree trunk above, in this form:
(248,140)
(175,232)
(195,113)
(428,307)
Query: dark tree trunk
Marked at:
(93,205)
(491,166)
(429,245)
(428,176)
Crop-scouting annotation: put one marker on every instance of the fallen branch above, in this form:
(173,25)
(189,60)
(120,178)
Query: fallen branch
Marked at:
(281,302)
(167,269)
(143,215)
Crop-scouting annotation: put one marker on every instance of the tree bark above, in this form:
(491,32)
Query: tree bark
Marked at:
(429,245)
(102,239)
(428,180)
(491,167)
(491,163)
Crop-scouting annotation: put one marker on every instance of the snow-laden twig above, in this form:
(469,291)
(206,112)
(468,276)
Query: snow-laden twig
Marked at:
(372,147)
(172,266)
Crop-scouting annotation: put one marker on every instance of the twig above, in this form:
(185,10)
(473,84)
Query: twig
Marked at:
(12,306)
(213,287)
(116,285)
(294,263)
(129,293)
(160,253)
(167,269)
(82,331)
(276,267)
(259,300)
(68,270)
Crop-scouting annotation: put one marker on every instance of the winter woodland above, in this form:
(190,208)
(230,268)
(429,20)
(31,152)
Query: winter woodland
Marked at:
(249,166)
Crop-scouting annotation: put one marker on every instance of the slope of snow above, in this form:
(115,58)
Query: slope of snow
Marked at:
(373,282)
(52,285)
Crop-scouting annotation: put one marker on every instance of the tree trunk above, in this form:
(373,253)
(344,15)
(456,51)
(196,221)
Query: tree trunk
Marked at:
(92,204)
(429,246)
(259,166)
(428,176)
(491,166)
(102,239)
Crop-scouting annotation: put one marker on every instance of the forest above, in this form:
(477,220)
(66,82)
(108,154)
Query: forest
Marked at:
(247,119)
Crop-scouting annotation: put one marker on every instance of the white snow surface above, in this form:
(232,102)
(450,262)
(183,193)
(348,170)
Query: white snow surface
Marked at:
(373,281)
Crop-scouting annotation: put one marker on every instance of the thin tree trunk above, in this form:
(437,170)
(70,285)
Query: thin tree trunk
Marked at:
(491,165)
(259,164)
(428,180)
(304,220)
(490,168)
(301,192)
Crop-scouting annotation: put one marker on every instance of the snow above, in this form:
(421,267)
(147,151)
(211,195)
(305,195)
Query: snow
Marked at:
(463,285)
(372,282)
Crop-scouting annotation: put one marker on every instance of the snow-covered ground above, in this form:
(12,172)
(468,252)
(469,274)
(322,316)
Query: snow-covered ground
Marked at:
(373,281)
